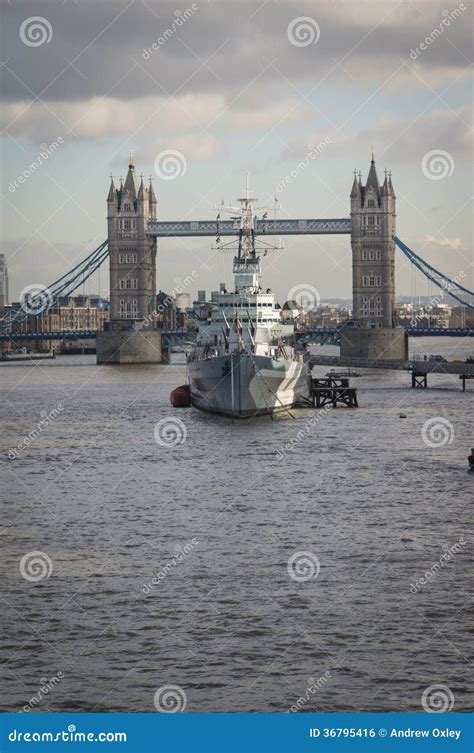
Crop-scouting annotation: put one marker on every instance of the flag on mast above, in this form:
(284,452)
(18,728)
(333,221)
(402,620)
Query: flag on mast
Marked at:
(237,325)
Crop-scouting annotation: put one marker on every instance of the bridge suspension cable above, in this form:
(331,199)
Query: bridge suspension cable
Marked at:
(43,300)
(48,297)
(447,285)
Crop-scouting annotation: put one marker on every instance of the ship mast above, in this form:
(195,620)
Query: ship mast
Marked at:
(246,235)
(244,215)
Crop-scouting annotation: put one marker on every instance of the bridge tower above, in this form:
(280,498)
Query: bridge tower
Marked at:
(132,336)
(373,333)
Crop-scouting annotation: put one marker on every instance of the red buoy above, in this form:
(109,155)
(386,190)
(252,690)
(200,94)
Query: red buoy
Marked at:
(181,397)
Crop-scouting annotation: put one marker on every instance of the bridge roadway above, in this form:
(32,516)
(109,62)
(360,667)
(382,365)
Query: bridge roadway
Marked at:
(321,333)
(87,334)
(418,367)
(439,332)
(169,339)
(194,228)
(318,334)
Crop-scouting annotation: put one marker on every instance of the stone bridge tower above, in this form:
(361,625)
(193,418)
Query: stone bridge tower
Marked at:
(132,254)
(132,336)
(373,216)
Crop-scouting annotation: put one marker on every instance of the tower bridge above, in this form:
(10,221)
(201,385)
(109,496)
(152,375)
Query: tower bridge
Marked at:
(133,334)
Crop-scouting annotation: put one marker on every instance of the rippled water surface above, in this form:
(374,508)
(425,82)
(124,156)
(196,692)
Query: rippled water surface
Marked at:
(170,564)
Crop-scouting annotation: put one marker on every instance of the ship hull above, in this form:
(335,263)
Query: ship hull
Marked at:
(243,385)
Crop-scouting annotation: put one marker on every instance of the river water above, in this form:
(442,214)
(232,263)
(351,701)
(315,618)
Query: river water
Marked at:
(251,565)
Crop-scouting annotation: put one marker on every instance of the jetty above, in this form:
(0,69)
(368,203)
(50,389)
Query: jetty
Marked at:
(419,369)
(333,390)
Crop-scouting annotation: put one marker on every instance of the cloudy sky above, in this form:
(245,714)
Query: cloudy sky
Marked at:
(235,85)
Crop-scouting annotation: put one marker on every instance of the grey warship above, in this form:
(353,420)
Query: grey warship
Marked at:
(242,363)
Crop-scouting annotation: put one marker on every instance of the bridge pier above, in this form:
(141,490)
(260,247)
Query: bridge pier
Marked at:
(385,343)
(130,347)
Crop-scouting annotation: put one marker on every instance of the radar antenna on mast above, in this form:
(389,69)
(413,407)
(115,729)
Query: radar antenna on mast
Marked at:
(244,217)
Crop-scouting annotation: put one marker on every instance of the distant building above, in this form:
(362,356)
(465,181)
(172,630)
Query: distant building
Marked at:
(441,315)
(3,282)
(462,316)
(102,304)
(290,311)
(166,308)
(81,313)
(183,301)
(328,315)
(201,310)
(71,314)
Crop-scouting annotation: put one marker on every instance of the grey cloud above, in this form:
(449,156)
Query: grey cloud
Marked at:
(103,39)
(398,139)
